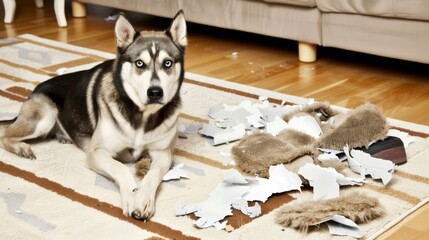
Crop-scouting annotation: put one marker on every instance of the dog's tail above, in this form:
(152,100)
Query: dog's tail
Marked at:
(5,123)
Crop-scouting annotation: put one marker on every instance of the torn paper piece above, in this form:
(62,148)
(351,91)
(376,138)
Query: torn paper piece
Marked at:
(214,109)
(111,18)
(219,226)
(306,124)
(256,121)
(263,98)
(342,226)
(243,206)
(231,193)
(232,176)
(362,163)
(181,130)
(326,150)
(210,129)
(328,157)
(283,180)
(184,210)
(345,181)
(280,180)
(324,183)
(404,136)
(220,135)
(238,115)
(229,135)
(175,173)
(192,129)
(270,112)
(218,205)
(276,126)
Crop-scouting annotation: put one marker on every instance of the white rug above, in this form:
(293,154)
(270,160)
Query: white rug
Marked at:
(58,197)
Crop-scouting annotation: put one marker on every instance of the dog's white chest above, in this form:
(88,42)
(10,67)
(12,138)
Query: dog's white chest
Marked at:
(139,142)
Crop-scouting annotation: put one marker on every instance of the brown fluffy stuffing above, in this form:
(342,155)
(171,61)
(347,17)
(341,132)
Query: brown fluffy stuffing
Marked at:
(357,128)
(356,206)
(255,153)
(320,111)
(142,167)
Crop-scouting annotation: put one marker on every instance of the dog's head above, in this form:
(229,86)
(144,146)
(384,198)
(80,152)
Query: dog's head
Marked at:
(150,64)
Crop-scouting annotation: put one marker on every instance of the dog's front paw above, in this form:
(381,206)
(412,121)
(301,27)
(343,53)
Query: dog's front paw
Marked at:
(127,200)
(144,206)
(24,150)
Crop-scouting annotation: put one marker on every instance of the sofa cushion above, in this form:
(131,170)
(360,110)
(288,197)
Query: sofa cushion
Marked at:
(303,3)
(410,9)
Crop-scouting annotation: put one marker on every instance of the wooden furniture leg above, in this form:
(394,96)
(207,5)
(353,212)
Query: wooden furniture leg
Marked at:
(59,13)
(307,52)
(78,9)
(9,10)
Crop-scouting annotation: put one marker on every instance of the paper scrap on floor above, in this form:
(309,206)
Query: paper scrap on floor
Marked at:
(340,225)
(235,191)
(364,164)
(229,123)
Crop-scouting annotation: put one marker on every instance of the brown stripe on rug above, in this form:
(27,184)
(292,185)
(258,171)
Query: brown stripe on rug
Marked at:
(199,158)
(394,193)
(104,207)
(15,65)
(412,133)
(15,79)
(12,96)
(413,177)
(20,91)
(193,118)
(233,91)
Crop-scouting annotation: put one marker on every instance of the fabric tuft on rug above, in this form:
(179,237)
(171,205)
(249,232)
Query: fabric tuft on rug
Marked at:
(358,207)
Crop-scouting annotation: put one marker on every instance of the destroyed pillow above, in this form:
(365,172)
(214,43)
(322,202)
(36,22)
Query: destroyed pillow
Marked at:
(357,128)
(255,153)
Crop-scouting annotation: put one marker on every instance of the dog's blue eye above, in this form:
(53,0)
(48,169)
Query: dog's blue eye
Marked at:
(140,64)
(168,64)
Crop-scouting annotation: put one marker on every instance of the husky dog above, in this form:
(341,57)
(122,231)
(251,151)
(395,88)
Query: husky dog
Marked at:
(115,111)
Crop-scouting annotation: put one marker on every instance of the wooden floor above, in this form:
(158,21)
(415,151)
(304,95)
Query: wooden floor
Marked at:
(399,88)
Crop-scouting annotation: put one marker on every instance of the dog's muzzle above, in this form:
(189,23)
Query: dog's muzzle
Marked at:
(155,94)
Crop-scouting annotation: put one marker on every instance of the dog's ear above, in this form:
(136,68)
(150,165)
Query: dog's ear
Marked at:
(177,30)
(124,32)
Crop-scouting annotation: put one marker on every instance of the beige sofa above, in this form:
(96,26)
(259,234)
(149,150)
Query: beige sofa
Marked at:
(391,28)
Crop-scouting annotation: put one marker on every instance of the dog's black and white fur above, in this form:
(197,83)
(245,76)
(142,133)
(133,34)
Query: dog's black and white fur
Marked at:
(115,111)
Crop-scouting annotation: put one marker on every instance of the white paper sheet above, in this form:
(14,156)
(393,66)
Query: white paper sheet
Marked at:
(232,176)
(276,126)
(220,135)
(280,180)
(328,157)
(342,226)
(243,206)
(323,181)
(306,124)
(175,173)
(364,164)
(231,193)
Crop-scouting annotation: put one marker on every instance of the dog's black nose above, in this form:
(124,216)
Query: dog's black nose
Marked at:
(155,93)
